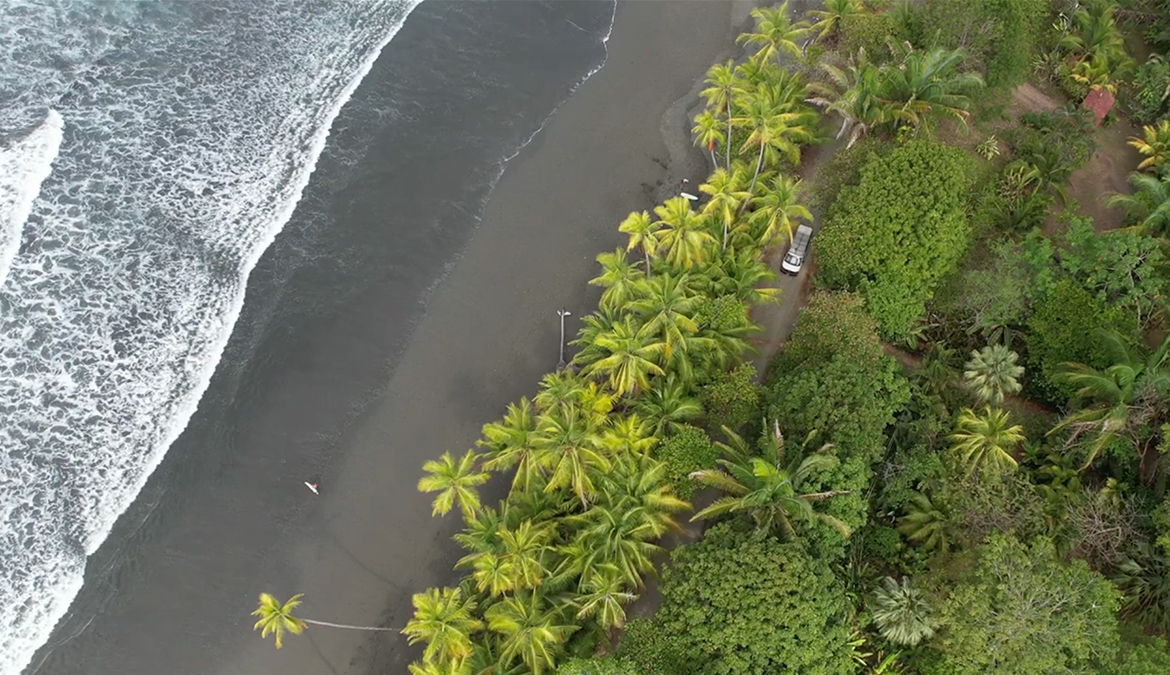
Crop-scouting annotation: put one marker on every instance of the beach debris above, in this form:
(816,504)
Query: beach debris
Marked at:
(313,487)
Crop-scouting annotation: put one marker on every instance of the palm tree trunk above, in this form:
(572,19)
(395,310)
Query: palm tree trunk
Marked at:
(714,162)
(752,188)
(727,150)
(646,255)
(342,625)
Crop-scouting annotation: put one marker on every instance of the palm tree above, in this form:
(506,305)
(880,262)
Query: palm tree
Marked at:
(924,524)
(667,405)
(504,559)
(1123,399)
(768,487)
(775,211)
(774,33)
(629,435)
(1097,33)
(1148,208)
(853,90)
(667,309)
(571,450)
(593,325)
(629,361)
(742,275)
(603,597)
(727,192)
(927,85)
(992,372)
(682,233)
(643,234)
(509,443)
(708,131)
(618,277)
(637,509)
(276,617)
(828,24)
(722,87)
(902,613)
(454,481)
(985,442)
(532,630)
(777,125)
(445,620)
(1155,145)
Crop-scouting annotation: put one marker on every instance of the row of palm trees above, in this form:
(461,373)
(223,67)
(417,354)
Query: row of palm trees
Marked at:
(569,546)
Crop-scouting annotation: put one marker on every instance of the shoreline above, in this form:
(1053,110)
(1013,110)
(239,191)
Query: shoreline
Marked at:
(502,293)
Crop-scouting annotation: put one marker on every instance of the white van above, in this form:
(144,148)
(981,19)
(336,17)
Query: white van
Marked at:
(797,253)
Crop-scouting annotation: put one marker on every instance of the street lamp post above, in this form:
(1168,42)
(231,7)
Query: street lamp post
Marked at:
(562,313)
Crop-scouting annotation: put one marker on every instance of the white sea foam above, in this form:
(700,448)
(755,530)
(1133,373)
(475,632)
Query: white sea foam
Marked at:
(192,129)
(23,167)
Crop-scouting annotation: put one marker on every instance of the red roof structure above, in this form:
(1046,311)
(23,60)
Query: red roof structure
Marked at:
(1100,101)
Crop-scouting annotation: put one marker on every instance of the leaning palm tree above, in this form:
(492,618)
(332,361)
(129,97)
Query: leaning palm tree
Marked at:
(455,481)
(902,613)
(531,629)
(775,211)
(777,122)
(445,620)
(276,618)
(571,452)
(618,277)
(853,90)
(992,372)
(1121,400)
(667,406)
(1148,208)
(643,234)
(603,597)
(828,24)
(775,34)
(723,85)
(708,132)
(985,441)
(509,444)
(1155,145)
(682,233)
(628,359)
(928,85)
(667,309)
(768,486)
(727,189)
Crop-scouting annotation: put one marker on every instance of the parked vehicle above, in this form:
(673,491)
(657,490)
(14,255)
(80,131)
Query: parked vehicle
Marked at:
(794,259)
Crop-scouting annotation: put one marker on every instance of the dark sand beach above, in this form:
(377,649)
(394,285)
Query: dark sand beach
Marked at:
(489,332)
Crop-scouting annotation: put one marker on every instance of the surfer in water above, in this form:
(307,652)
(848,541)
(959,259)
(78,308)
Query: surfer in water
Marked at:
(313,487)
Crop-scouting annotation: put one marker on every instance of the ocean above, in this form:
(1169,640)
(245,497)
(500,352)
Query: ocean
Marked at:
(155,171)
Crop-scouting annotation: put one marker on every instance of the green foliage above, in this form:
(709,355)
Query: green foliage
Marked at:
(896,233)
(999,36)
(872,32)
(1150,83)
(651,649)
(733,398)
(743,604)
(1143,577)
(1024,612)
(1063,329)
(684,451)
(844,168)
(597,666)
(1121,268)
(1141,656)
(833,377)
